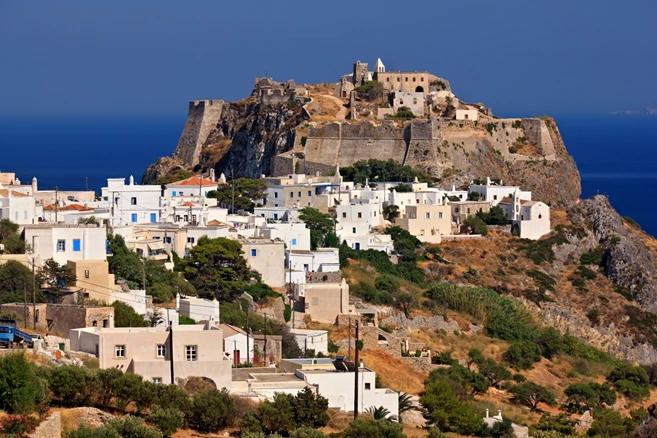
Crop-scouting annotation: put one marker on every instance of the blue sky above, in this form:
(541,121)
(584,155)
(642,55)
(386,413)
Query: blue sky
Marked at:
(151,57)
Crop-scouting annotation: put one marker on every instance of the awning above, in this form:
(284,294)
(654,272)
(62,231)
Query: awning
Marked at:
(153,246)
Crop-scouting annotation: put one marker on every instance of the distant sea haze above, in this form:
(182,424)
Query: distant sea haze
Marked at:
(616,155)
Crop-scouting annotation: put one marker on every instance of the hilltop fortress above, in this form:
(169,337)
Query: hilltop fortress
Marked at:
(412,118)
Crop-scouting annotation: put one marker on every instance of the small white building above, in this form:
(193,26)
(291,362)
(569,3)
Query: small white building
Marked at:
(132,203)
(411,100)
(531,219)
(320,260)
(295,235)
(335,381)
(158,354)
(63,242)
(198,309)
(267,257)
(238,346)
(137,299)
(494,193)
(467,114)
(363,212)
(427,222)
(377,242)
(316,340)
(193,189)
(16,206)
(283,214)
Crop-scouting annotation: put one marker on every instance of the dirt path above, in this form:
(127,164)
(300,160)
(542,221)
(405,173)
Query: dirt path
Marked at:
(342,112)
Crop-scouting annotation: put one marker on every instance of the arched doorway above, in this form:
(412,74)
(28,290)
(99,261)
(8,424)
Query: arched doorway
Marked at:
(419,89)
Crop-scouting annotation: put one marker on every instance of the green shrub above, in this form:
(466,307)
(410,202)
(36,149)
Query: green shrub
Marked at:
(211,410)
(632,222)
(543,281)
(167,421)
(540,251)
(476,224)
(19,384)
(71,385)
(630,381)
(443,409)
(522,355)
(519,378)
(593,256)
(361,428)
(586,273)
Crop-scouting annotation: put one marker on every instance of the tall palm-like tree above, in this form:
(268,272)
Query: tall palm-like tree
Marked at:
(405,404)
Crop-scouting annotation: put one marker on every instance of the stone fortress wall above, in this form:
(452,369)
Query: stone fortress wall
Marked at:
(202,119)
(429,144)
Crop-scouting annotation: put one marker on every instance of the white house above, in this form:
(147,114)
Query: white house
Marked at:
(267,257)
(238,346)
(16,206)
(335,381)
(320,260)
(530,218)
(283,214)
(316,340)
(467,114)
(378,242)
(420,197)
(365,212)
(198,309)
(137,299)
(494,193)
(63,242)
(295,235)
(132,203)
(194,189)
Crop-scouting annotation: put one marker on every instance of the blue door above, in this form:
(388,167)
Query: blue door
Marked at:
(357,248)
(134,217)
(153,217)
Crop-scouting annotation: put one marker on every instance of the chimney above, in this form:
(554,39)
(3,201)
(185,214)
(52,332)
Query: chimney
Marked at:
(486,413)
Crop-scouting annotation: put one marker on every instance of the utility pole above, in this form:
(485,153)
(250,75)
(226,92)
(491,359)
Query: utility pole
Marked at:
(356,377)
(143,273)
(86,183)
(265,352)
(173,381)
(232,202)
(56,201)
(25,303)
(33,296)
(248,332)
(349,342)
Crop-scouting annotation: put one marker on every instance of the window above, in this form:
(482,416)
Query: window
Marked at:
(540,216)
(414,79)
(427,215)
(315,301)
(360,215)
(181,194)
(368,386)
(157,380)
(406,79)
(167,239)
(119,351)
(344,215)
(440,215)
(294,241)
(133,201)
(254,252)
(398,79)
(299,194)
(173,193)
(134,217)
(421,232)
(310,192)
(421,79)
(387,79)
(105,323)
(291,194)
(190,352)
(61,245)
(466,117)
(94,323)
(190,240)
(86,273)
(415,101)
(76,244)
(153,217)
(353,230)
(275,194)
(495,197)
(275,216)
(161,350)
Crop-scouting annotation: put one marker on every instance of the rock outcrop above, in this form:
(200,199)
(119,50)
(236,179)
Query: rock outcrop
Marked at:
(627,261)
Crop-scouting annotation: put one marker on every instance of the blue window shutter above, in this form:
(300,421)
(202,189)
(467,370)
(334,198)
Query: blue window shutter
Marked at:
(294,241)
(76,244)
(275,216)
(253,252)
(153,217)
(134,217)
(173,193)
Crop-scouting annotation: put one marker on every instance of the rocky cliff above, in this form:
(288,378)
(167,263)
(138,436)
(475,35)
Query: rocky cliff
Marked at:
(250,138)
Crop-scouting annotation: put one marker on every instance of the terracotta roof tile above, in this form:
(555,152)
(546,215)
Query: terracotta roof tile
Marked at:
(70,207)
(193,181)
(4,193)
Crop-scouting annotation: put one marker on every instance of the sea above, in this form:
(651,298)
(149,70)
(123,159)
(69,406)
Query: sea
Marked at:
(616,155)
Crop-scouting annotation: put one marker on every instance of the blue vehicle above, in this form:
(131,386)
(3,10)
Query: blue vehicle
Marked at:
(10,335)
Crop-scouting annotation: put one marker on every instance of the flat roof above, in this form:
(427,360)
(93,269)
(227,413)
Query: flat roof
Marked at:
(275,377)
